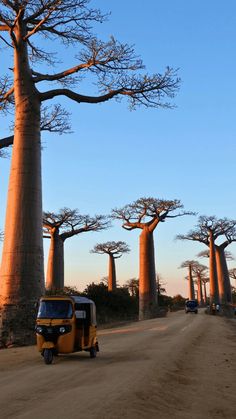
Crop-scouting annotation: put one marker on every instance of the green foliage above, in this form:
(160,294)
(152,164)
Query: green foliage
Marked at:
(112,305)
(63,291)
(178,302)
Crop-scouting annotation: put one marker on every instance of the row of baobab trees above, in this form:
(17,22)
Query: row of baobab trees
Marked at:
(217,235)
(144,214)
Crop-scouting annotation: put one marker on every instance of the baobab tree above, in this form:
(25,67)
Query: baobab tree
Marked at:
(59,227)
(189,264)
(145,214)
(205,280)
(207,231)
(27,28)
(222,256)
(199,271)
(114,250)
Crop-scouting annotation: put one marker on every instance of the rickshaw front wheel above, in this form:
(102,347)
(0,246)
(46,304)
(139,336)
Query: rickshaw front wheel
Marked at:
(93,352)
(48,356)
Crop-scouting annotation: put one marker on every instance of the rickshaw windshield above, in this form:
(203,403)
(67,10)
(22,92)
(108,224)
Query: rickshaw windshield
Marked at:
(55,309)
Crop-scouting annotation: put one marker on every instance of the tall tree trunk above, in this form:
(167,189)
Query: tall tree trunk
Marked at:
(204,293)
(225,292)
(55,269)
(214,291)
(199,290)
(111,273)
(220,276)
(22,276)
(147,276)
(191,292)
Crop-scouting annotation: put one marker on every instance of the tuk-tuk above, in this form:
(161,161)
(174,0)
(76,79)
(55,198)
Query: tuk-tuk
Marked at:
(66,324)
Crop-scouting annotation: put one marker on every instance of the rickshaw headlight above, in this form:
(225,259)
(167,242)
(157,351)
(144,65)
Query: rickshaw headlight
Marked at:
(39,329)
(62,329)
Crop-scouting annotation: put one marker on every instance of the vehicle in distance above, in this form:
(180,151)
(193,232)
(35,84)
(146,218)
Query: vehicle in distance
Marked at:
(191,306)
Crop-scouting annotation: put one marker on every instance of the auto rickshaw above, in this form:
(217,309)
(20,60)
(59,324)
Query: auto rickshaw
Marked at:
(66,324)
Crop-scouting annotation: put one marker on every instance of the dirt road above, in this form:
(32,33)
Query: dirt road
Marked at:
(181,366)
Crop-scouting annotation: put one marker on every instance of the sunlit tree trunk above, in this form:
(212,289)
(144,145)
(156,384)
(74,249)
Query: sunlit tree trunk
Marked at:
(147,276)
(225,293)
(220,276)
(55,268)
(191,292)
(214,291)
(111,273)
(204,293)
(199,290)
(22,278)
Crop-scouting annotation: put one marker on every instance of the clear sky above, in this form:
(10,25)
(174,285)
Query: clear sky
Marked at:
(115,156)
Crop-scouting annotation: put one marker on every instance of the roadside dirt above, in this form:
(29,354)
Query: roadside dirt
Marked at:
(181,366)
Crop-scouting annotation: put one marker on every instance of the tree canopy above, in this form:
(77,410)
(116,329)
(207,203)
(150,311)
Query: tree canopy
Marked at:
(71,222)
(117,69)
(116,249)
(148,212)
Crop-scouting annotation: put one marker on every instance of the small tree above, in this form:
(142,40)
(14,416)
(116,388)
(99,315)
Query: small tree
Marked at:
(160,287)
(114,250)
(133,286)
(59,227)
(145,214)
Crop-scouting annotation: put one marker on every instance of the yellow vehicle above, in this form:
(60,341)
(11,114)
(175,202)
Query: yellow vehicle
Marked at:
(66,324)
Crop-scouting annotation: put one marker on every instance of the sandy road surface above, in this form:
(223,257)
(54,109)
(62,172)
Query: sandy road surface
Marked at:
(181,366)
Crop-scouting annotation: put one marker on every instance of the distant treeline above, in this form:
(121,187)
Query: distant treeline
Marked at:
(120,305)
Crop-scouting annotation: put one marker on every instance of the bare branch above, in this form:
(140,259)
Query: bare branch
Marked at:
(6,142)
(6,92)
(55,119)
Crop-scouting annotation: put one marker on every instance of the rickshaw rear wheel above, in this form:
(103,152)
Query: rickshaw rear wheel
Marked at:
(48,356)
(93,352)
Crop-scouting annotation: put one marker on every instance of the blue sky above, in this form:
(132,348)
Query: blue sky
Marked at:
(115,156)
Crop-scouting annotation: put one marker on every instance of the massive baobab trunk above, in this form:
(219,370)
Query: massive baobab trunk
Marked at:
(225,293)
(214,291)
(199,290)
(111,273)
(55,269)
(22,278)
(147,276)
(191,284)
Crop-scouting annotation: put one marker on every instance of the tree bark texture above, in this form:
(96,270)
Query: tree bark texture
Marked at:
(55,268)
(147,276)
(22,276)
(214,291)
(225,293)
(191,291)
(111,273)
